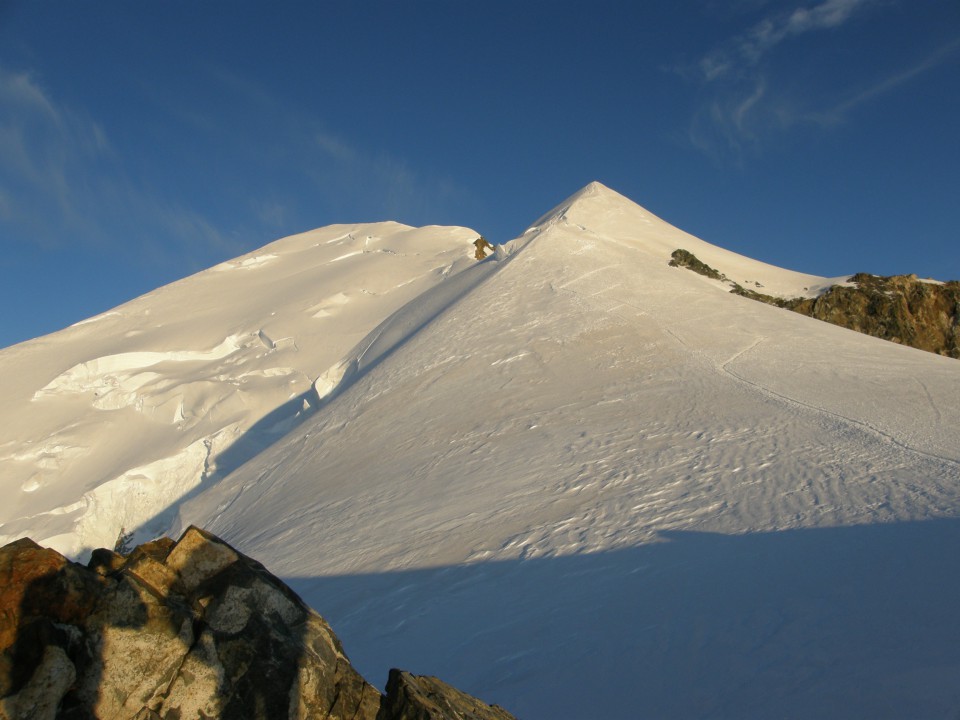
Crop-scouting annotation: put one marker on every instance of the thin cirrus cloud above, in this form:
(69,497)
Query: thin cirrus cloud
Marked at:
(385,183)
(737,117)
(839,112)
(41,149)
(382,181)
(345,174)
(62,182)
(742,102)
(748,49)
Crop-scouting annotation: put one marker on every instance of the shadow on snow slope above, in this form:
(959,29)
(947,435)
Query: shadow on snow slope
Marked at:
(845,622)
(379,344)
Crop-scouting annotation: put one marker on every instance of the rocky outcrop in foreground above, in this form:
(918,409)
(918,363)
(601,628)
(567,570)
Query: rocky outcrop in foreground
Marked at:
(180,630)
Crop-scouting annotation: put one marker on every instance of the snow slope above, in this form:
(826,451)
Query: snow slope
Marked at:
(569,479)
(599,486)
(109,423)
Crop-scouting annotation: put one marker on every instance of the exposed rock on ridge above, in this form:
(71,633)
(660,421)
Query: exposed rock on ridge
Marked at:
(482,247)
(183,630)
(410,697)
(899,308)
(686,259)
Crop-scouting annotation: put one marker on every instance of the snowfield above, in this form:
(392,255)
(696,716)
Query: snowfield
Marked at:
(568,479)
(108,424)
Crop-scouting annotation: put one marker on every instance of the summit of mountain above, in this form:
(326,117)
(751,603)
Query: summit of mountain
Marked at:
(601,213)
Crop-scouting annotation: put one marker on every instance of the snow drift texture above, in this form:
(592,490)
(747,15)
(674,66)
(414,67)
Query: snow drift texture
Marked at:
(578,466)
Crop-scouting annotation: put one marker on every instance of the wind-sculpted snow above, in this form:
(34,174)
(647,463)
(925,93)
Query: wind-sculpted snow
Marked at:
(586,465)
(108,424)
(118,381)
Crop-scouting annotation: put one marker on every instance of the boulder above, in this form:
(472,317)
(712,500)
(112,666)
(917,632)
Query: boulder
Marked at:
(182,629)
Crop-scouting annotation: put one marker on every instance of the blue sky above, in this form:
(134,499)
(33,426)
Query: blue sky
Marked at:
(144,141)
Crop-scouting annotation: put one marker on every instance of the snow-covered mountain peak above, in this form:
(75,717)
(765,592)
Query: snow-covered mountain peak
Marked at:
(571,434)
(597,216)
(589,202)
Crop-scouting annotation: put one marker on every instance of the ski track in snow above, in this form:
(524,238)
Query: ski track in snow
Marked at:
(859,423)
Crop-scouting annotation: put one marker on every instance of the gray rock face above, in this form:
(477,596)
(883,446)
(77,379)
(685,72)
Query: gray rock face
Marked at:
(191,629)
(413,697)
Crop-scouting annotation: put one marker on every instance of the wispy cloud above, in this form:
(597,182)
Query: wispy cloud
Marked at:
(741,99)
(40,145)
(336,148)
(62,182)
(271,213)
(383,183)
(749,95)
(748,49)
(349,176)
(839,112)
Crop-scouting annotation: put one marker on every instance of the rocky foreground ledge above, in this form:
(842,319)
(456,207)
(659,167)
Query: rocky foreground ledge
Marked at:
(181,630)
